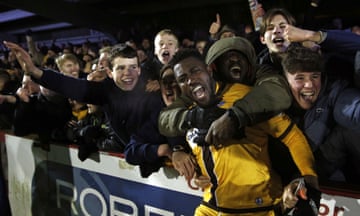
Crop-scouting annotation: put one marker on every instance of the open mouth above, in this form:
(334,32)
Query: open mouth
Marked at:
(165,56)
(278,41)
(235,71)
(198,92)
(170,96)
(307,96)
(128,81)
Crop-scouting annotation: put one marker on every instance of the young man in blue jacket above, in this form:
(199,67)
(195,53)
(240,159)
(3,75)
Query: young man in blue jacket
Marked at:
(132,112)
(327,112)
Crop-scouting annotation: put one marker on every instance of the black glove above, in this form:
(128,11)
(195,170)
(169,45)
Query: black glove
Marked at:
(90,134)
(87,141)
(109,144)
(201,119)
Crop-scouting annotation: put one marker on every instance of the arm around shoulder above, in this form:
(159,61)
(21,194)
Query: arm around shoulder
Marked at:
(171,119)
(270,96)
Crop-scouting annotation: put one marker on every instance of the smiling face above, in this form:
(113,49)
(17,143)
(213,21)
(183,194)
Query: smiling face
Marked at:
(166,45)
(68,65)
(70,68)
(125,72)
(273,37)
(195,80)
(169,88)
(305,87)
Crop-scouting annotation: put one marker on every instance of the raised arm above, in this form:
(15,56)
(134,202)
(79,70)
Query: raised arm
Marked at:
(24,60)
(37,56)
(86,91)
(215,27)
(171,118)
(329,40)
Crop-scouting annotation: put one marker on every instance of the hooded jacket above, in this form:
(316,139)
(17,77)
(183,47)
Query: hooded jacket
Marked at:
(269,96)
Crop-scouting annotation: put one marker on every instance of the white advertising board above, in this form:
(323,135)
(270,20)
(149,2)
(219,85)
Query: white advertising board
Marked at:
(56,182)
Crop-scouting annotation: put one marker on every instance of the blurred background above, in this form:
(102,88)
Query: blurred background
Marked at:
(76,21)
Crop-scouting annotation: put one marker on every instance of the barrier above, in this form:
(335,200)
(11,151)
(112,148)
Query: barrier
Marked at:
(58,183)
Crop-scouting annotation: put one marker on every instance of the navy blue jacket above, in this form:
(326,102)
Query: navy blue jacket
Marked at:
(332,127)
(336,105)
(132,114)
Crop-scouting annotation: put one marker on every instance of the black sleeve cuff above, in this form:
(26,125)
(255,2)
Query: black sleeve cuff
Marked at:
(239,117)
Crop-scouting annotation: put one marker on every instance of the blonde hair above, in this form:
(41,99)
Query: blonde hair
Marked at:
(66,57)
(168,32)
(106,49)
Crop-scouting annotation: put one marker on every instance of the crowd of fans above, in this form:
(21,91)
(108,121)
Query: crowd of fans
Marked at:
(291,91)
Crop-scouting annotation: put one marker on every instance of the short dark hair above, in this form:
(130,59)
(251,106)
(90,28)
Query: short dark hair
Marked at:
(122,50)
(164,68)
(300,59)
(185,53)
